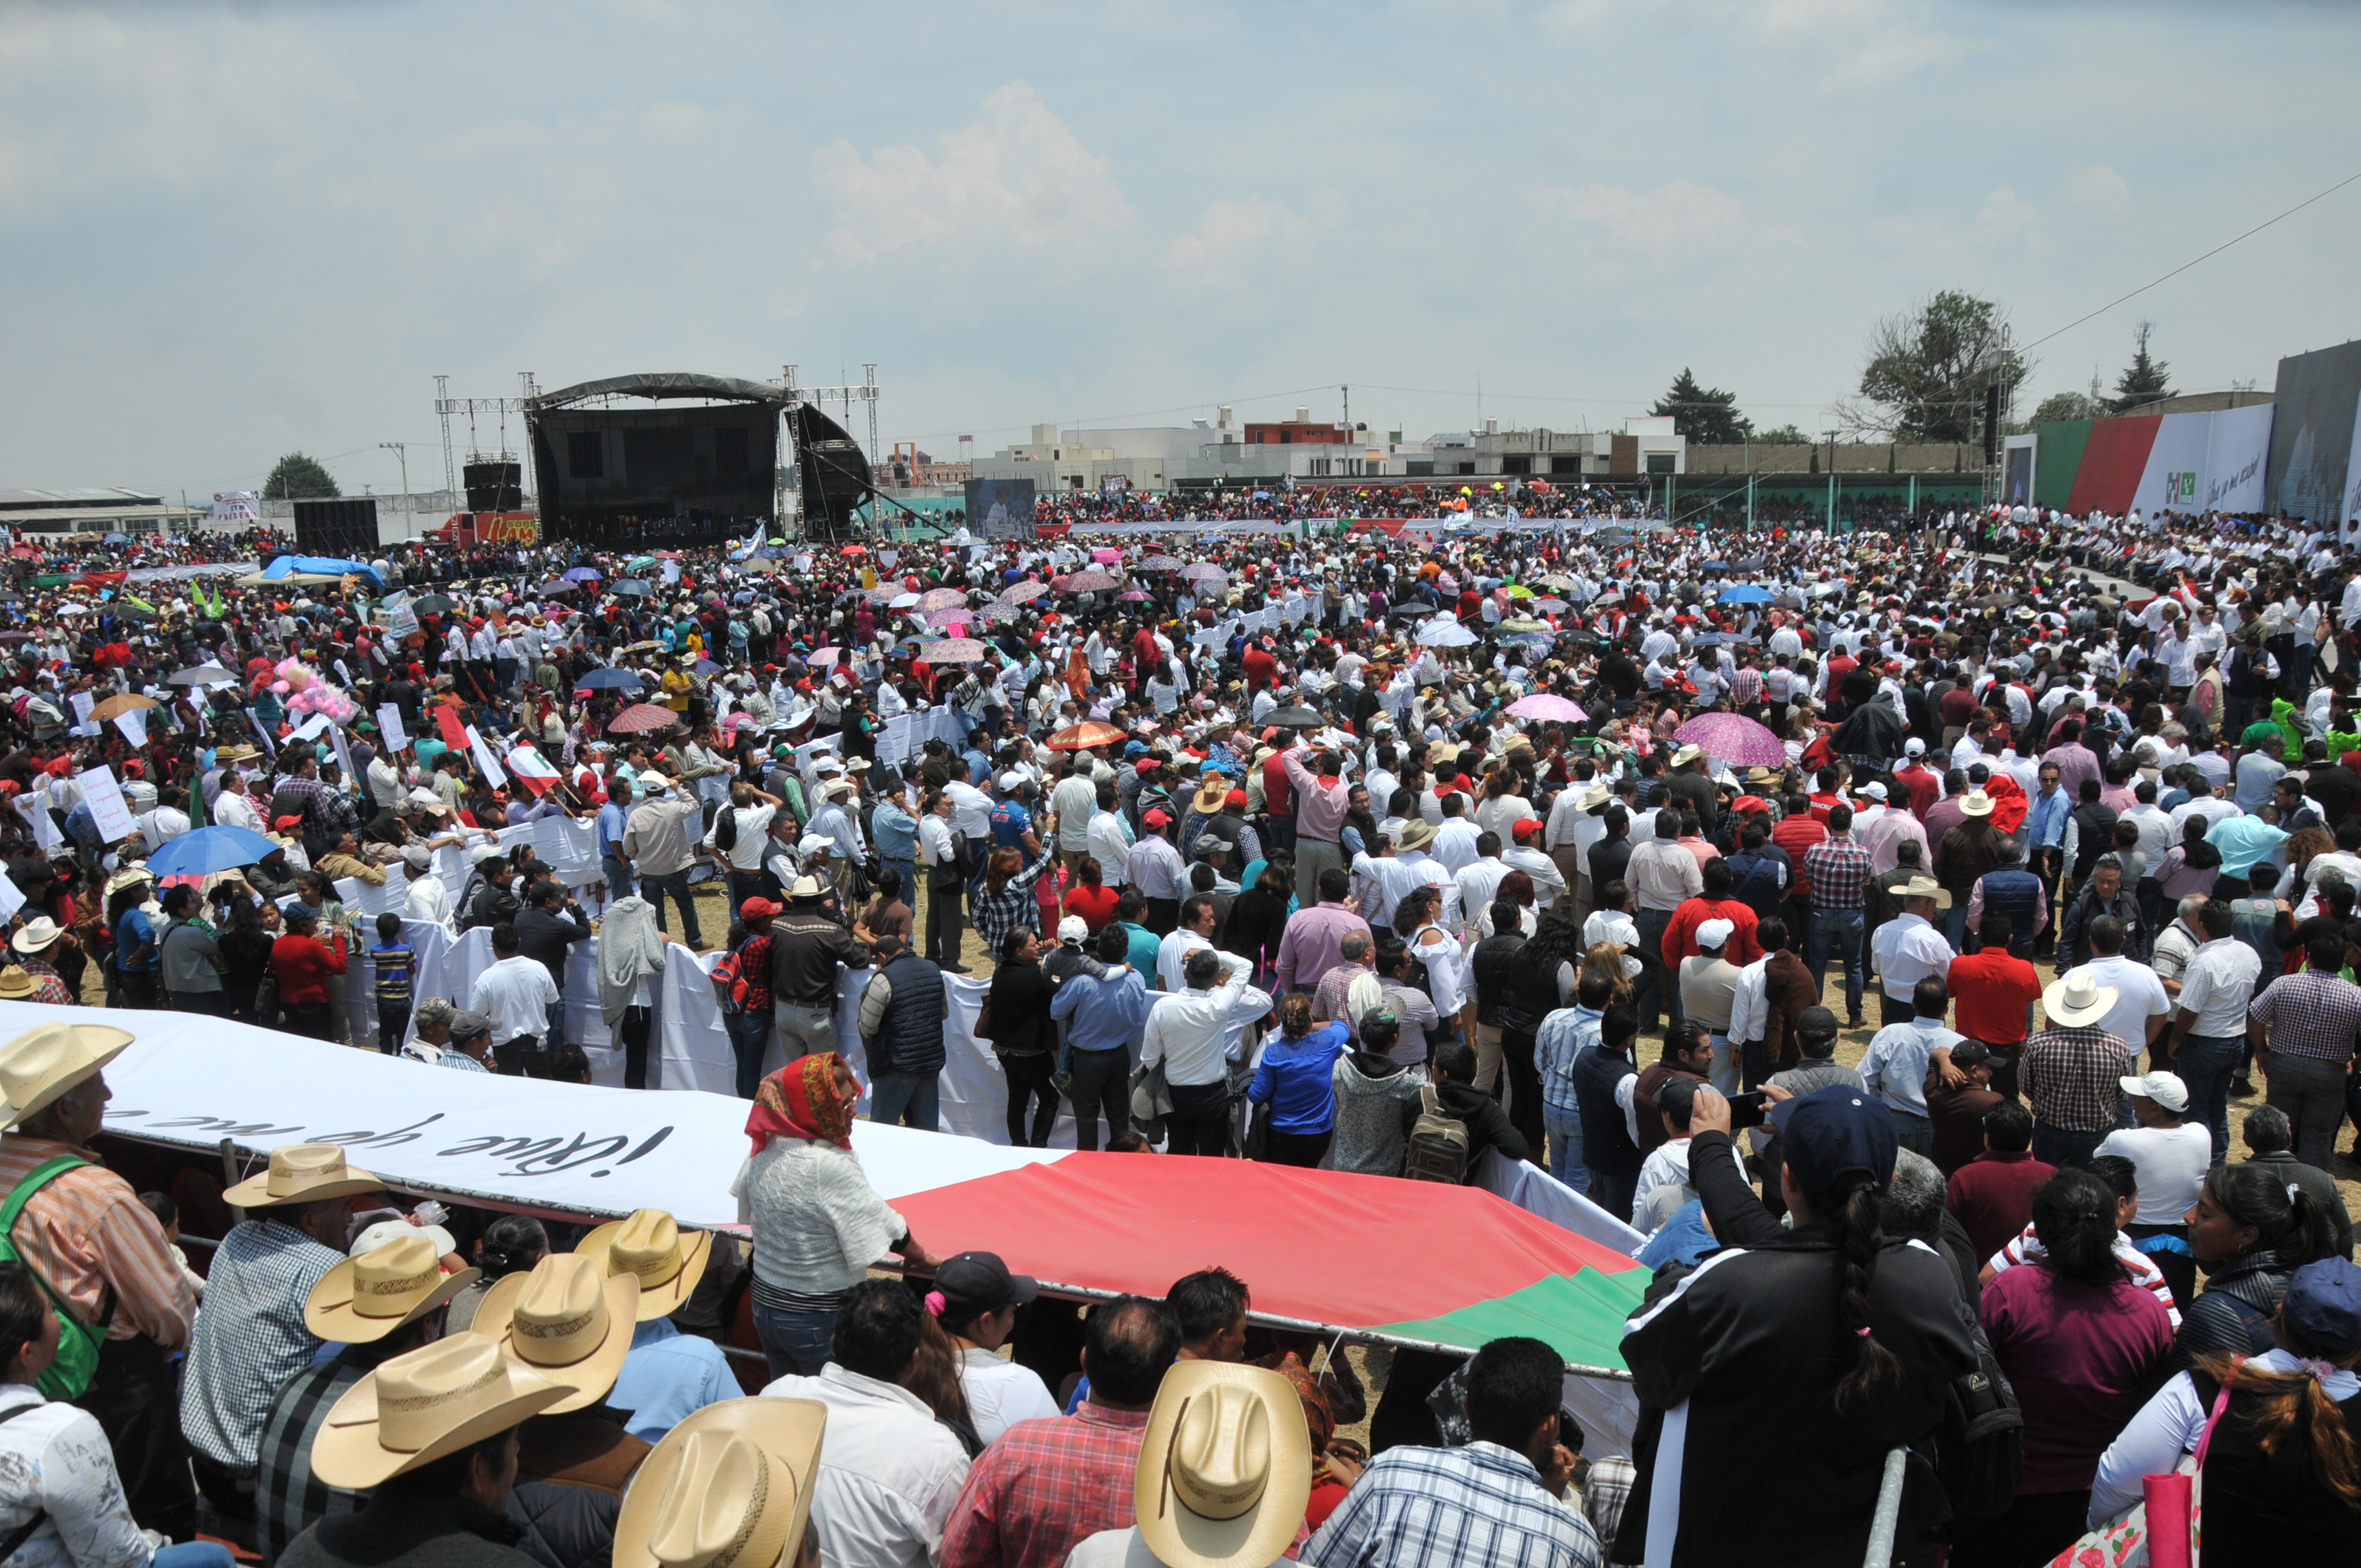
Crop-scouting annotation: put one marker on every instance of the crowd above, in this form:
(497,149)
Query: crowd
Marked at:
(1369,853)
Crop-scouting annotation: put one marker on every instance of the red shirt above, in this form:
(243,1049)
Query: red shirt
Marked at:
(302,966)
(1795,835)
(1277,793)
(1680,933)
(1990,990)
(1925,788)
(1262,670)
(1094,904)
(1991,1196)
(1042,1487)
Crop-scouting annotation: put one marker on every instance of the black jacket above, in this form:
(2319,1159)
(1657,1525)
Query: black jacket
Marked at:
(402,1530)
(2321,1185)
(2233,1311)
(1020,1010)
(545,938)
(572,1471)
(1489,1126)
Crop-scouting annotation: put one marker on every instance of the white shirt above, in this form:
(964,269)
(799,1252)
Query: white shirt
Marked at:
(889,1473)
(1189,1030)
(1172,955)
(1548,881)
(745,851)
(2139,996)
(515,994)
(1001,1393)
(1907,950)
(1478,881)
(2217,985)
(1667,1165)
(971,810)
(936,845)
(57,1463)
(1108,843)
(429,900)
(2169,1163)
(1454,843)
(1895,1068)
(1750,1001)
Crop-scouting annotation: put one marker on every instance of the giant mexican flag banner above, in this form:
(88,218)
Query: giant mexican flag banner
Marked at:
(2183,462)
(1411,1263)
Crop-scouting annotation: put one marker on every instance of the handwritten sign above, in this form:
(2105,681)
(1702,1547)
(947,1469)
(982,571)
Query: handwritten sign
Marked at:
(108,809)
(134,726)
(388,723)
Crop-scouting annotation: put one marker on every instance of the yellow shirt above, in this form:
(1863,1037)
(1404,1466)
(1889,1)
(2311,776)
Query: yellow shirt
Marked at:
(676,690)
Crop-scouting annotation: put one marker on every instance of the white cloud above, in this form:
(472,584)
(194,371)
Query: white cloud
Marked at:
(1865,42)
(2096,185)
(1017,177)
(2006,213)
(1233,234)
(1678,217)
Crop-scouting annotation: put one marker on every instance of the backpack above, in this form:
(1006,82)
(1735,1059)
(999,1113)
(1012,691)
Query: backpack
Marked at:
(725,830)
(730,985)
(1979,1445)
(78,1344)
(1438,1142)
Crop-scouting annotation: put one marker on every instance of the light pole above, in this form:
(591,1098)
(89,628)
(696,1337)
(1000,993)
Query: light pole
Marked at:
(402,451)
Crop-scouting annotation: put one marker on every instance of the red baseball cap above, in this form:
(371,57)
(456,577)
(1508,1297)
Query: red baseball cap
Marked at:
(757,909)
(1526,827)
(1156,819)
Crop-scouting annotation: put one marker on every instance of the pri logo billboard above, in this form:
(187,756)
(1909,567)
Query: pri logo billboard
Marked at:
(2178,487)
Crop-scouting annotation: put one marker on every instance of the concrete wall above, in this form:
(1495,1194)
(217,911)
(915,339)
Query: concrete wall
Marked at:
(1851,457)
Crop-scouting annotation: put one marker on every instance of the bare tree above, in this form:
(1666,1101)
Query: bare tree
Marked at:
(1927,370)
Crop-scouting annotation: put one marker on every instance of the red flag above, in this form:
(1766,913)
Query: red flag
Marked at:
(455,734)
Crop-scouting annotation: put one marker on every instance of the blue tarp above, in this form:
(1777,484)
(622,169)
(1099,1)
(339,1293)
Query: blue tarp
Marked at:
(326,565)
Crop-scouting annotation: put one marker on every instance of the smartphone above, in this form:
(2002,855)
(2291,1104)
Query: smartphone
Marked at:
(1746,1110)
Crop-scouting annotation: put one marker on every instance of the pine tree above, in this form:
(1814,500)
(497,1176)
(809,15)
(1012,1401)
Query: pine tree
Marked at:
(2144,380)
(1708,416)
(299,477)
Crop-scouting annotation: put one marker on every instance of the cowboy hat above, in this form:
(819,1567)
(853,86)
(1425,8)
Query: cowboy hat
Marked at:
(1925,887)
(649,1244)
(1595,798)
(424,1404)
(228,754)
(1225,1467)
(1686,755)
(40,1064)
(1213,794)
(807,887)
(1416,834)
(363,1298)
(730,1485)
(567,1321)
(1975,803)
(130,876)
(2078,999)
(39,933)
(302,1173)
(15,985)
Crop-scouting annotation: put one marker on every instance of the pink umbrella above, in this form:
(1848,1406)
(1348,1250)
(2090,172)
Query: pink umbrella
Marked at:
(1733,738)
(1549,707)
(1106,557)
(1086,583)
(823,656)
(1134,596)
(957,615)
(954,651)
(941,598)
(1017,593)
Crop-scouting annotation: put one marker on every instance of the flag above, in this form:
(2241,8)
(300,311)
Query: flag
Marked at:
(455,734)
(531,770)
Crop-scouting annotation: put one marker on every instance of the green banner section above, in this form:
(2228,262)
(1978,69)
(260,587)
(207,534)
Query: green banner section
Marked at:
(1580,1316)
(2058,459)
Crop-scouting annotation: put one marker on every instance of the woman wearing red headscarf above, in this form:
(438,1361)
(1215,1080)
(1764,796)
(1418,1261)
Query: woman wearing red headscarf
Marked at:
(817,1223)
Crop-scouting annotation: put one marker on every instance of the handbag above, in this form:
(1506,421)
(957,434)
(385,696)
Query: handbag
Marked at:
(266,999)
(1259,1130)
(2123,1542)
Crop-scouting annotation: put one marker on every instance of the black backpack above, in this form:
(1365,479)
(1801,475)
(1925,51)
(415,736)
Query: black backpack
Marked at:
(1977,1452)
(725,830)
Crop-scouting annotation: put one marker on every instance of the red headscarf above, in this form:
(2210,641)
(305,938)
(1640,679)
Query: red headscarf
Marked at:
(799,1100)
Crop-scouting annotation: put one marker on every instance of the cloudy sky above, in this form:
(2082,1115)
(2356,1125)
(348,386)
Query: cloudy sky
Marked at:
(231,230)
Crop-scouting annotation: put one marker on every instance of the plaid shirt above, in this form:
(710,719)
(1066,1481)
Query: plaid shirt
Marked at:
(250,1338)
(1746,685)
(2069,1078)
(754,963)
(48,986)
(1838,871)
(1441,1507)
(1013,908)
(288,1498)
(1563,1036)
(1043,1486)
(2309,1015)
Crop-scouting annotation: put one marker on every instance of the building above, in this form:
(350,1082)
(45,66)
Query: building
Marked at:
(96,512)
(1646,444)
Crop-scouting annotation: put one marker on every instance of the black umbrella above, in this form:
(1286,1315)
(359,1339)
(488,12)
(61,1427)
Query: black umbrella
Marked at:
(1410,611)
(1295,719)
(435,604)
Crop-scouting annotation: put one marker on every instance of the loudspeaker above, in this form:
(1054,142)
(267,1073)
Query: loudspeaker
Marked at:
(495,486)
(833,472)
(345,528)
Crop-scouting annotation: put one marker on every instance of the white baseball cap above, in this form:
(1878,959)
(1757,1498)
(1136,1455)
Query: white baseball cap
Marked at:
(1914,747)
(2166,1088)
(1012,781)
(1073,928)
(1716,933)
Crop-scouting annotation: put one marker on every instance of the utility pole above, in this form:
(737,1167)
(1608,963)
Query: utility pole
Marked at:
(402,451)
(1832,484)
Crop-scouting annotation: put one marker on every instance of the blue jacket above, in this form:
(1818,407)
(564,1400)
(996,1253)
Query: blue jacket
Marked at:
(1298,1077)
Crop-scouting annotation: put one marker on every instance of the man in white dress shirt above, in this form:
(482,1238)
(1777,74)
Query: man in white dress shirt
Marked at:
(1189,1032)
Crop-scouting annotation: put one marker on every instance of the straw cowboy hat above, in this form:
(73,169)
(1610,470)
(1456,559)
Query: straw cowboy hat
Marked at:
(41,1064)
(39,934)
(1224,1469)
(1975,803)
(1416,834)
(649,1244)
(2078,999)
(130,876)
(15,985)
(1925,887)
(229,754)
(730,1486)
(1211,794)
(302,1173)
(424,1404)
(567,1321)
(1686,755)
(363,1298)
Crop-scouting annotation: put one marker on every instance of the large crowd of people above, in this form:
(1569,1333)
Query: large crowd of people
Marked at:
(1556,837)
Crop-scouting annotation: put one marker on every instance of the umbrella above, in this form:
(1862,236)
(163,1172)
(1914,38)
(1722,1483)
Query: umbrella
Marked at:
(1733,738)
(15,637)
(1518,591)
(1086,736)
(643,716)
(886,594)
(435,604)
(201,675)
(958,615)
(640,563)
(1019,592)
(207,850)
(941,598)
(115,706)
(1444,632)
(631,587)
(584,573)
(606,680)
(1411,612)
(557,586)
(1106,557)
(1556,580)
(1295,719)
(904,601)
(705,669)
(1552,606)
(1132,596)
(1549,707)
(1745,593)
(956,651)
(1088,583)
(1606,599)
(1205,570)
(998,614)
(1714,566)
(1160,563)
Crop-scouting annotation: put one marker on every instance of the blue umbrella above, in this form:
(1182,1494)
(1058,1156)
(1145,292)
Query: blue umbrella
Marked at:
(630,587)
(599,680)
(704,667)
(1714,566)
(583,574)
(208,850)
(1745,593)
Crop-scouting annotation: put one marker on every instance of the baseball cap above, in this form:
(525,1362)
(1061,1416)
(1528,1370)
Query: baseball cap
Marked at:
(2322,1305)
(1157,820)
(1715,933)
(468,1025)
(756,909)
(1236,797)
(1914,747)
(1208,844)
(1073,928)
(1872,789)
(1835,1141)
(1011,781)
(2166,1088)
(1817,1020)
(1525,827)
(815,844)
(1972,1053)
(981,1279)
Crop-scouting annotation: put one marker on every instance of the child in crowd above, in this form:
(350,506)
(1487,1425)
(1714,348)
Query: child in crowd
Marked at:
(395,959)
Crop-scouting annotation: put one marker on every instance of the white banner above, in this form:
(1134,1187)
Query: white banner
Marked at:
(234,509)
(2237,448)
(388,726)
(2352,511)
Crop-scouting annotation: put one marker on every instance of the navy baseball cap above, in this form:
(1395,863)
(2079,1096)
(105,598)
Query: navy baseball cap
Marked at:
(981,1279)
(1835,1139)
(2322,1305)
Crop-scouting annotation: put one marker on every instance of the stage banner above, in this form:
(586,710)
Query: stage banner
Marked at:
(2237,450)
(1000,509)
(237,509)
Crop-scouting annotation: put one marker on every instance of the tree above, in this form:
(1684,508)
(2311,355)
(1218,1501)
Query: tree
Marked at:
(2144,380)
(2059,406)
(1786,435)
(1708,416)
(1928,368)
(298,476)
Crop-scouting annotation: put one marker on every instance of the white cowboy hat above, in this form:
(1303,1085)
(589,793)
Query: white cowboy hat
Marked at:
(730,1486)
(41,1064)
(567,1321)
(649,1243)
(1686,755)
(39,933)
(363,1298)
(1225,1467)
(1925,887)
(424,1404)
(302,1173)
(1975,803)
(2078,999)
